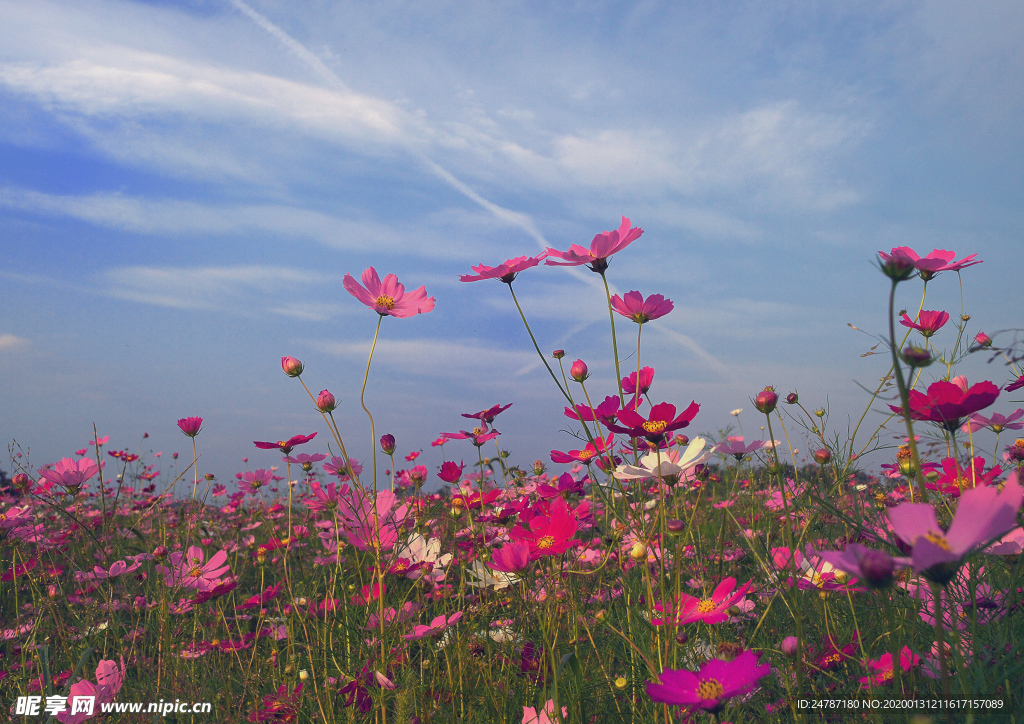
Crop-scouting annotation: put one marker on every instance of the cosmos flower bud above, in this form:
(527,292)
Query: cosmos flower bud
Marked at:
(916,356)
(558,353)
(387,444)
(790,646)
(160,552)
(291,366)
(325,402)
(822,456)
(21,481)
(579,371)
(766,400)
(792,398)
(682,440)
(638,552)
(982,340)
(675,525)
(682,638)
(538,467)
(877,568)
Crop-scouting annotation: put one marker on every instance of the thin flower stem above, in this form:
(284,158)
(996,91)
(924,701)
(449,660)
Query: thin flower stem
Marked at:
(615,344)
(537,347)
(904,397)
(362,394)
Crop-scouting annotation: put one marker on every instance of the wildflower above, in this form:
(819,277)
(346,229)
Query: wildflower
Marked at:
(388,298)
(109,679)
(190,425)
(71,474)
(711,686)
(688,609)
(734,446)
(996,422)
(600,446)
(280,707)
(766,400)
(629,384)
(603,246)
(641,310)
(915,356)
(1015,452)
(666,463)
(285,446)
(259,599)
(822,456)
(938,260)
(189,570)
(661,420)
(983,514)
(253,480)
(478,436)
(875,567)
(450,472)
(579,371)
(439,624)
(325,401)
(488,578)
(898,265)
(882,669)
(489,414)
(605,412)
(948,403)
(291,366)
(982,340)
(505,272)
(1011,544)
(373,524)
(790,646)
(426,554)
(512,558)
(955,479)
(549,535)
(1016,384)
(736,412)
(545,716)
(928,323)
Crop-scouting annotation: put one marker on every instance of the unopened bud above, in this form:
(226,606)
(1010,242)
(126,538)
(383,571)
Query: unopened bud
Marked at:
(303,674)
(21,481)
(675,525)
(638,552)
(916,356)
(621,682)
(387,444)
(982,340)
(579,371)
(792,398)
(790,646)
(538,467)
(877,568)
(682,638)
(822,456)
(766,400)
(558,353)
(682,440)
(160,552)
(210,476)
(325,402)
(291,366)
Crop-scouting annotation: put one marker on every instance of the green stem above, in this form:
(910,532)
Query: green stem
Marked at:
(904,396)
(537,347)
(615,344)
(373,429)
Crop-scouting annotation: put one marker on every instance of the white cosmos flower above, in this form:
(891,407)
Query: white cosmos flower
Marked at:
(420,550)
(671,462)
(485,577)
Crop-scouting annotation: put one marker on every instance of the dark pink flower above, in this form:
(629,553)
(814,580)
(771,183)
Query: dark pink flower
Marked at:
(549,535)
(734,446)
(388,298)
(188,569)
(291,366)
(439,624)
(954,479)
(513,558)
(325,401)
(489,414)
(505,272)
(253,480)
(1015,385)
(948,403)
(190,425)
(688,609)
(605,412)
(928,323)
(450,471)
(882,668)
(662,420)
(646,380)
(641,310)
(285,446)
(603,246)
(478,436)
(592,450)
(939,260)
(715,683)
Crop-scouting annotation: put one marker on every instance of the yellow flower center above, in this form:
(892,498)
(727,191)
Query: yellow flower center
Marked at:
(196,572)
(939,540)
(385,301)
(710,689)
(546,542)
(706,606)
(653,426)
(887,675)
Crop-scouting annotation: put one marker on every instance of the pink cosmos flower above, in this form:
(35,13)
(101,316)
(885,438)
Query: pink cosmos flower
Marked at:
(1016,384)
(954,479)
(948,403)
(641,310)
(688,609)
(629,384)
(996,422)
(71,474)
(489,414)
(259,599)
(600,446)
(939,260)
(190,425)
(549,535)
(605,412)
(190,571)
(715,683)
(109,678)
(253,480)
(450,471)
(513,558)
(661,420)
(603,246)
(478,436)
(439,624)
(388,298)
(505,272)
(373,523)
(983,515)
(285,446)
(882,668)
(928,323)
(545,716)
(734,446)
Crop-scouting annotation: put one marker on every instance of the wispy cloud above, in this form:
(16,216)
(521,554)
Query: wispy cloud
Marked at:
(448,359)
(12,343)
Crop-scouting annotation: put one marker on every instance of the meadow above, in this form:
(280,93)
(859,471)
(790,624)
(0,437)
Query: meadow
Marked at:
(649,575)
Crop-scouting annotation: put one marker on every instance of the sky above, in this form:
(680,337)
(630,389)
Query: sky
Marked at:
(185,184)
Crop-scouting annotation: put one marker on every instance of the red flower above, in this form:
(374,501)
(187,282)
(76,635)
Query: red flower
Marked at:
(928,323)
(549,535)
(280,707)
(450,472)
(505,272)
(641,310)
(1016,385)
(285,446)
(662,421)
(603,246)
(954,479)
(388,298)
(947,403)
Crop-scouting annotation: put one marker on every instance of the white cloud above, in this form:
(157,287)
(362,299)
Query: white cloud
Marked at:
(12,343)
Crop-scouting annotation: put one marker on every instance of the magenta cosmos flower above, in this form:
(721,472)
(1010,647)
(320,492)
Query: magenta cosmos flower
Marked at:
(489,414)
(939,260)
(285,446)
(948,403)
(603,246)
(592,450)
(1016,384)
(190,425)
(997,423)
(928,323)
(190,571)
(661,421)
(549,535)
(388,298)
(506,272)
(882,669)
(983,515)
(690,609)
(715,683)
(641,310)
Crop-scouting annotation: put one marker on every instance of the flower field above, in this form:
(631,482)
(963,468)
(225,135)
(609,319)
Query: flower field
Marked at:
(650,574)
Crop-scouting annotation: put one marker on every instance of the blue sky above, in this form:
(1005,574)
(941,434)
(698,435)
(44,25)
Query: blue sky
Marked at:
(183,186)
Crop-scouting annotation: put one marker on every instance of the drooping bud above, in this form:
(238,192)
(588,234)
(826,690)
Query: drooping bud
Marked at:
(877,568)
(766,400)
(387,444)
(916,356)
(325,402)
(792,398)
(790,646)
(291,366)
(982,340)
(822,456)
(579,371)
